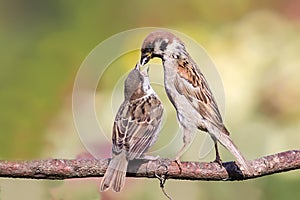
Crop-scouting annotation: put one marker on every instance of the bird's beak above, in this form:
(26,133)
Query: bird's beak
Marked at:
(145,71)
(137,66)
(145,58)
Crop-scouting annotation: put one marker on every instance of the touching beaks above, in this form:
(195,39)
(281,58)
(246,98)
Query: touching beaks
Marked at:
(146,69)
(145,72)
(145,58)
(137,66)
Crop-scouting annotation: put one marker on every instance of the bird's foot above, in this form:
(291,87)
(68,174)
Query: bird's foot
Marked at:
(219,161)
(179,164)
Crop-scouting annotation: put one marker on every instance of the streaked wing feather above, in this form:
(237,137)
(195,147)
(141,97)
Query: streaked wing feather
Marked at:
(120,128)
(135,133)
(191,83)
(144,130)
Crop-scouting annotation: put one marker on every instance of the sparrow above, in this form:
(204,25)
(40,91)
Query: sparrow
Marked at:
(135,128)
(189,92)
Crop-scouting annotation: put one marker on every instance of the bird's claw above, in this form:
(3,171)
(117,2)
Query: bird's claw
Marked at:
(179,164)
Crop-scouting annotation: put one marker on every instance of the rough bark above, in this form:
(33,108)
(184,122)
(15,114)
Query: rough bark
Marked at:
(84,168)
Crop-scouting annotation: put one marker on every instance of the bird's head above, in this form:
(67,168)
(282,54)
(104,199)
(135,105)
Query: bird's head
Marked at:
(133,82)
(156,45)
(136,83)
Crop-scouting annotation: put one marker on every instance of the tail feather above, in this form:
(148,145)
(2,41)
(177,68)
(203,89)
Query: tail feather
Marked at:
(115,174)
(226,141)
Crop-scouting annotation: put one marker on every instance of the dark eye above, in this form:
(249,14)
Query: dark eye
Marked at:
(149,48)
(147,51)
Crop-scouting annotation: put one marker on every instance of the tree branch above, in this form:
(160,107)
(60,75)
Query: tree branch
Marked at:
(84,168)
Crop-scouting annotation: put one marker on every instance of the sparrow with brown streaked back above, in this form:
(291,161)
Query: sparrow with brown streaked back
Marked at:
(135,128)
(189,93)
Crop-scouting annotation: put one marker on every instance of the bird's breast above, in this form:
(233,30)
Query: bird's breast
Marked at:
(186,114)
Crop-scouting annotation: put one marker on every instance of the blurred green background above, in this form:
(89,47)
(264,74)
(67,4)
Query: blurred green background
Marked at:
(254,44)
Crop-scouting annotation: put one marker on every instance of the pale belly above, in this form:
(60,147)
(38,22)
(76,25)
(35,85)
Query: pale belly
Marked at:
(186,114)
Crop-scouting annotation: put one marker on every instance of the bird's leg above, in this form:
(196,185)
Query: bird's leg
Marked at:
(179,154)
(218,158)
(187,136)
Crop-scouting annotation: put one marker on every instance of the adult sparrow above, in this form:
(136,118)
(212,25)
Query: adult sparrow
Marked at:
(189,93)
(135,128)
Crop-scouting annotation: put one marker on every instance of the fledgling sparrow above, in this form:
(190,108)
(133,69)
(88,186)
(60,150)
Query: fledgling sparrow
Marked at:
(135,128)
(189,93)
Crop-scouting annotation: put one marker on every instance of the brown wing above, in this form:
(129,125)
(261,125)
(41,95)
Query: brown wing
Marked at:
(136,126)
(191,83)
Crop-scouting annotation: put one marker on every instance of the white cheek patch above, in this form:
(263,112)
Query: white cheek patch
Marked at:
(172,49)
(157,47)
(174,46)
(176,50)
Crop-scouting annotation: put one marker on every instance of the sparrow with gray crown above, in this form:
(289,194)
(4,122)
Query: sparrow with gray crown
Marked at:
(189,93)
(135,128)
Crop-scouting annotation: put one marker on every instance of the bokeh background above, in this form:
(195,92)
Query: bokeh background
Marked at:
(254,44)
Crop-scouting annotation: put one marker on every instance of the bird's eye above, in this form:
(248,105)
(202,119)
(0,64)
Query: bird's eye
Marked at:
(145,50)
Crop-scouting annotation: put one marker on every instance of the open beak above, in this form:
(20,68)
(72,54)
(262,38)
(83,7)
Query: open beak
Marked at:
(137,66)
(145,58)
(145,71)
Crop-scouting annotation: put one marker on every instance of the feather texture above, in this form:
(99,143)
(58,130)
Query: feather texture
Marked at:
(189,92)
(135,128)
